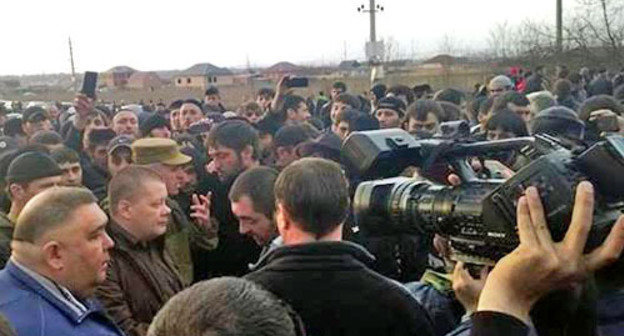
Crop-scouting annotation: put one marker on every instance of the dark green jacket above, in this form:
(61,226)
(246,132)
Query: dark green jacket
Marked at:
(6,234)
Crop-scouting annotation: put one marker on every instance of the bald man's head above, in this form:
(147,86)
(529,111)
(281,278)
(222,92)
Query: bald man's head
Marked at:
(48,211)
(61,234)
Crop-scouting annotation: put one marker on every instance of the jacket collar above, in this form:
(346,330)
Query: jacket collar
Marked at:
(6,222)
(123,238)
(330,248)
(33,285)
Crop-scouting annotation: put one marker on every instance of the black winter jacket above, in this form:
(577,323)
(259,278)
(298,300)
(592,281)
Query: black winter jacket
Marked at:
(330,285)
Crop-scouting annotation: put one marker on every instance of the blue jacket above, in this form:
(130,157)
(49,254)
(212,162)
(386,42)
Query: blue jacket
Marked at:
(33,310)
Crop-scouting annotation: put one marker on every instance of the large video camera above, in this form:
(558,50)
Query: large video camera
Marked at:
(478,216)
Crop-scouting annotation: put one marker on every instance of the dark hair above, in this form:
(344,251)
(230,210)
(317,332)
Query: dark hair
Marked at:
(558,121)
(513,97)
(473,107)
(211,90)
(267,126)
(599,102)
(422,107)
(379,90)
(507,121)
(402,90)
(364,122)
(176,104)
(65,155)
(250,106)
(45,137)
(486,105)
(13,127)
(128,183)
(314,192)
(257,184)
(348,115)
(290,136)
(451,112)
(291,102)
(225,306)
(100,137)
(349,99)
(95,113)
(266,92)
(365,104)
(449,95)
(55,207)
(192,101)
(234,134)
(562,88)
(340,85)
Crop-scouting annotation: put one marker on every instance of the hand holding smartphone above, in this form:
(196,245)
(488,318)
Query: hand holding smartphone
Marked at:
(89,84)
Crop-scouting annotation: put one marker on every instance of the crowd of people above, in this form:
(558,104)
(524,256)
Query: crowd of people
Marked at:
(192,219)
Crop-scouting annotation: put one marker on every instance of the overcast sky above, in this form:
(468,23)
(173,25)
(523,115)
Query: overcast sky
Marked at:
(166,35)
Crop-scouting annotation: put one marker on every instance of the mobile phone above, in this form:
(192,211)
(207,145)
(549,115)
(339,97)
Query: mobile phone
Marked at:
(297,82)
(89,83)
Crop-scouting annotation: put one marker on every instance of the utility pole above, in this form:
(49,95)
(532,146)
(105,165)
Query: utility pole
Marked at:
(374,49)
(73,69)
(373,32)
(559,27)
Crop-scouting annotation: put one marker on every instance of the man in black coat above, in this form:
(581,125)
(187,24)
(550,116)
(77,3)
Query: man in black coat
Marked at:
(326,280)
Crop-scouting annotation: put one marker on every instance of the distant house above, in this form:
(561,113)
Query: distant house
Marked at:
(351,68)
(283,68)
(203,75)
(442,61)
(144,80)
(117,76)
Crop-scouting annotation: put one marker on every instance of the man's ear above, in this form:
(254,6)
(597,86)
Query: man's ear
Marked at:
(25,128)
(124,209)
(52,255)
(16,191)
(247,154)
(282,219)
(290,113)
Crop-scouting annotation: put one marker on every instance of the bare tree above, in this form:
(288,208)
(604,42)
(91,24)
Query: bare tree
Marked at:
(448,44)
(593,33)
(500,40)
(391,49)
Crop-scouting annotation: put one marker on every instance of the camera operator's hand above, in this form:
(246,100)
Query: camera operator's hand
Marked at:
(441,246)
(468,289)
(606,114)
(539,265)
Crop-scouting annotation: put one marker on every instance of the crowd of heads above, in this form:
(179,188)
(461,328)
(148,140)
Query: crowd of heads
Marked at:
(278,157)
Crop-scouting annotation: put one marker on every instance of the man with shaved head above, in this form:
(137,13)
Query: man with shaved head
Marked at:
(59,257)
